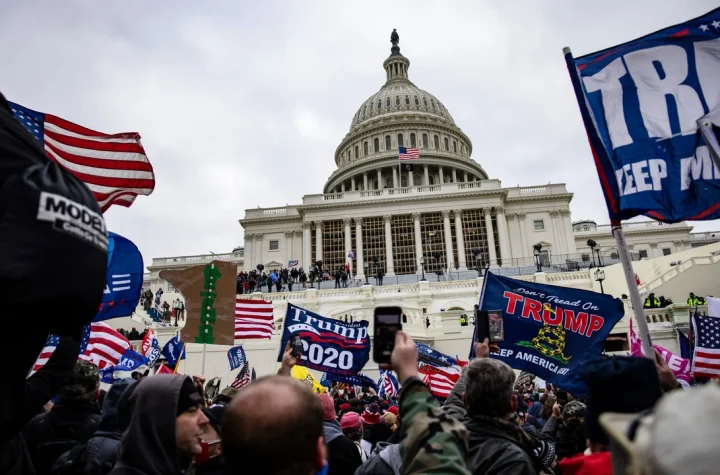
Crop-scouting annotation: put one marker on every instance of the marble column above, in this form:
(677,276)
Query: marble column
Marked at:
(442,177)
(410,178)
(307,243)
(510,218)
(559,240)
(454,175)
(427,176)
(567,229)
(318,241)
(390,271)
(380,179)
(449,258)
(258,253)
(352,184)
(460,240)
(365,187)
(348,241)
(654,249)
(527,253)
(492,255)
(359,249)
(247,253)
(466,177)
(342,187)
(288,247)
(418,240)
(297,250)
(503,235)
(396,184)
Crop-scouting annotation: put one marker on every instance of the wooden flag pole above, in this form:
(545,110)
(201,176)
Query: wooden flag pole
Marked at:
(177,365)
(635,298)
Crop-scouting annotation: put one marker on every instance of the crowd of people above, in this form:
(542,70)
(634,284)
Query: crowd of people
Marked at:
(281,280)
(489,424)
(133,334)
(651,301)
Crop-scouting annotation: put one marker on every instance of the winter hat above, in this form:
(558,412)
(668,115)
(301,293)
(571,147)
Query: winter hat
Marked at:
(226,395)
(545,453)
(624,384)
(394,410)
(390,418)
(189,396)
(573,409)
(384,406)
(215,414)
(351,422)
(328,407)
(371,414)
(344,407)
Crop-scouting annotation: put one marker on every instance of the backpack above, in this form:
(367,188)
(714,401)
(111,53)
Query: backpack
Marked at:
(76,463)
(48,452)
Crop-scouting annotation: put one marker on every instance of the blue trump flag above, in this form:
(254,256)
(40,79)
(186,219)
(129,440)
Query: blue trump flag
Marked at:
(433,357)
(124,279)
(111,374)
(359,379)
(132,359)
(329,345)
(173,351)
(236,357)
(646,105)
(550,331)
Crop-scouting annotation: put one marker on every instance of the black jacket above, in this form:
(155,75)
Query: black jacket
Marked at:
(148,446)
(343,455)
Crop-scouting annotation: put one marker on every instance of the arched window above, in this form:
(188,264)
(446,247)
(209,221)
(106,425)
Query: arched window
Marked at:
(387,143)
(416,180)
(387,102)
(412,141)
(379,104)
(357,151)
(425,101)
(432,101)
(349,154)
(400,140)
(454,146)
(432,179)
(407,100)
(447,146)
(365,149)
(425,142)
(436,139)
(403,180)
(388,182)
(417,101)
(397,100)
(376,145)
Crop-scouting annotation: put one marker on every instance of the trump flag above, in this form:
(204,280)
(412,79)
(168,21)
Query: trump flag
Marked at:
(550,331)
(329,345)
(124,279)
(651,109)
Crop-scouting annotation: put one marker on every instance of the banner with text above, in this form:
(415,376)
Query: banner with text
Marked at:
(651,109)
(678,365)
(236,357)
(329,345)
(550,331)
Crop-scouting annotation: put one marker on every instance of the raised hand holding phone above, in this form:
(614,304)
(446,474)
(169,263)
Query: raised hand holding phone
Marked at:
(387,323)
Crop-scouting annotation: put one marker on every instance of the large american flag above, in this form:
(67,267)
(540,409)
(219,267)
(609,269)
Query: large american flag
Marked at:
(114,167)
(100,344)
(408,153)
(439,380)
(706,355)
(253,319)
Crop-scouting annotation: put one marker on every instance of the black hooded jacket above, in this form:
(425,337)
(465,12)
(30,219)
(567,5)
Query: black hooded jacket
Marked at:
(148,446)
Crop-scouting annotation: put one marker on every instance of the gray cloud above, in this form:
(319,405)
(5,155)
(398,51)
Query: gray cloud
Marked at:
(241,104)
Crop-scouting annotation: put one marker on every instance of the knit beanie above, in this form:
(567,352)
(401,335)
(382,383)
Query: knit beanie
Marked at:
(328,407)
(394,410)
(371,414)
(189,396)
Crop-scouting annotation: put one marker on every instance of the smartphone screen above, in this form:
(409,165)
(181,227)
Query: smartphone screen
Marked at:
(388,320)
(562,397)
(496,330)
(296,345)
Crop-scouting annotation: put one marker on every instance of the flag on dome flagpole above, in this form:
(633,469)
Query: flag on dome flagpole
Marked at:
(114,166)
(408,153)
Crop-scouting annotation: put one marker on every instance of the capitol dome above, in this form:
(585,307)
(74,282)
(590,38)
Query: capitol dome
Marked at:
(401,115)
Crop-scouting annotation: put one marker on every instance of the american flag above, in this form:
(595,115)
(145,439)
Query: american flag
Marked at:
(253,319)
(408,153)
(114,167)
(706,355)
(439,380)
(387,386)
(100,344)
(243,378)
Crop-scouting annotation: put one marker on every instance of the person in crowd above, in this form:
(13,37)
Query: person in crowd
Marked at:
(166,311)
(337,278)
(566,426)
(209,461)
(343,457)
(99,454)
(74,419)
(665,302)
(694,300)
(166,429)
(534,415)
(344,278)
(133,335)
(463,320)
(379,276)
(651,301)
(158,296)
(352,426)
(355,406)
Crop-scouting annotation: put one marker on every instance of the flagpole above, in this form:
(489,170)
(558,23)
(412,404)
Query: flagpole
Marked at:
(634,292)
(177,365)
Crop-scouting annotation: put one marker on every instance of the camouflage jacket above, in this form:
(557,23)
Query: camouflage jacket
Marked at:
(432,442)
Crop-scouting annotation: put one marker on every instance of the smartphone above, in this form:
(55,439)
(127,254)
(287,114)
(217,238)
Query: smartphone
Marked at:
(296,345)
(388,320)
(562,397)
(489,325)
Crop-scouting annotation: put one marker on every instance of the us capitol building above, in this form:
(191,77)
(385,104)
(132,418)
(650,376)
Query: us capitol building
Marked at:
(446,218)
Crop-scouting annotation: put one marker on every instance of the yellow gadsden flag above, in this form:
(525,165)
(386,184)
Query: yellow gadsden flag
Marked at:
(304,375)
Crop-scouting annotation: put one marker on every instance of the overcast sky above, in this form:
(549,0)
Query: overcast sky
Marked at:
(241,104)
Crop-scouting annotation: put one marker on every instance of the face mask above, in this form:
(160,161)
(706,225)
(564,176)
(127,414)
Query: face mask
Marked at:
(204,455)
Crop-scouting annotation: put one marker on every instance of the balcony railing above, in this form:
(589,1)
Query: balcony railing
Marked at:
(640,226)
(199,259)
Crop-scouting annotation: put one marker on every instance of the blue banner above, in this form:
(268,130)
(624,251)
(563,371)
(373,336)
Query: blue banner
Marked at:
(645,105)
(329,345)
(550,331)
(359,379)
(433,357)
(111,374)
(124,279)
(236,357)
(684,345)
(388,384)
(132,359)
(173,350)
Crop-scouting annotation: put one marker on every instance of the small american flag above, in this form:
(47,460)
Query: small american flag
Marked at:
(408,153)
(114,167)
(100,344)
(253,319)
(243,378)
(706,355)
(439,380)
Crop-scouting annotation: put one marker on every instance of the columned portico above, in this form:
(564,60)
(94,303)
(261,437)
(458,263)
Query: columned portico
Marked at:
(505,254)
(318,241)
(390,271)
(492,255)
(449,258)
(460,241)
(307,242)
(359,249)
(418,240)
(296,245)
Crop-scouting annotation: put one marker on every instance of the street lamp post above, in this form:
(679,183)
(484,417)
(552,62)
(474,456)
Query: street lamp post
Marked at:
(536,252)
(599,277)
(591,243)
(422,266)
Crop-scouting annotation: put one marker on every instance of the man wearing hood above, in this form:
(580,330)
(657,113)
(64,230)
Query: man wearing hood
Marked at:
(210,461)
(343,456)
(166,428)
